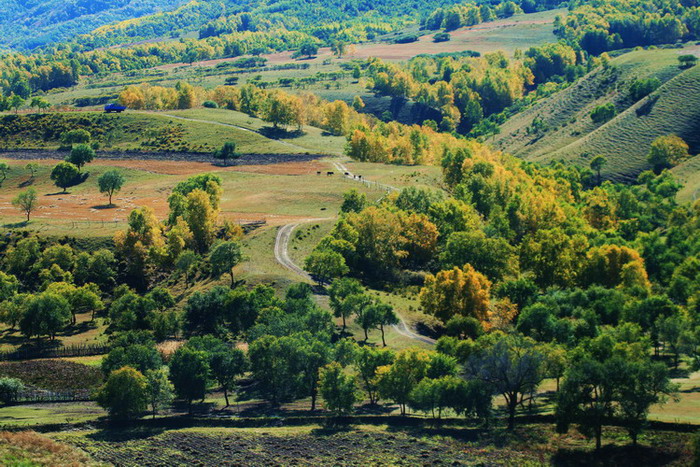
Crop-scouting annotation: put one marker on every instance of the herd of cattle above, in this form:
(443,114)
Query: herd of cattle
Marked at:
(347,174)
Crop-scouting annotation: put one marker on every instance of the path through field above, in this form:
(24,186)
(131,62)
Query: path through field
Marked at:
(284,234)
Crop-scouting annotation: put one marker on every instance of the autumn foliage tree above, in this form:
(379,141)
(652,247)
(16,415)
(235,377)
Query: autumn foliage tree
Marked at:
(459,291)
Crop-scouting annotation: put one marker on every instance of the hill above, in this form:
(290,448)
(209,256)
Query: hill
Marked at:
(35,23)
(560,127)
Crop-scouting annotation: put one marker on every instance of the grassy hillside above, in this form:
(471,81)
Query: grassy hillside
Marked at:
(568,133)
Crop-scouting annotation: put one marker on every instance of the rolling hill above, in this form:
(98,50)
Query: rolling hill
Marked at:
(563,129)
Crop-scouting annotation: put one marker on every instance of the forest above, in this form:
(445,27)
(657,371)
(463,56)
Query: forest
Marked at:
(210,268)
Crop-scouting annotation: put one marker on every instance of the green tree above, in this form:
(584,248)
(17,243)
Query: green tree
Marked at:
(26,201)
(124,394)
(597,165)
(368,361)
(46,314)
(33,168)
(64,175)
(4,170)
(396,381)
(353,201)
(325,265)
(142,356)
(189,373)
(308,49)
(224,257)
(111,182)
(16,102)
(513,366)
(339,290)
(226,366)
(80,155)
(227,151)
(338,389)
(159,389)
(77,136)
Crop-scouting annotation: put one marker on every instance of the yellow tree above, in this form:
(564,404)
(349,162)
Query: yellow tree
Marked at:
(201,218)
(613,265)
(457,291)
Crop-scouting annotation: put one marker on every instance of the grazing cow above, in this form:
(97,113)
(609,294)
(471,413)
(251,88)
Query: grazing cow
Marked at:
(347,174)
(318,172)
(359,177)
(330,173)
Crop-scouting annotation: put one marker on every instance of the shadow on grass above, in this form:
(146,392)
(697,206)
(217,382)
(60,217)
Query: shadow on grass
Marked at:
(26,183)
(280,133)
(639,456)
(119,432)
(15,225)
(104,206)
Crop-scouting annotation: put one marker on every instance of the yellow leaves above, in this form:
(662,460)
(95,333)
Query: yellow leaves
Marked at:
(600,209)
(457,291)
(613,266)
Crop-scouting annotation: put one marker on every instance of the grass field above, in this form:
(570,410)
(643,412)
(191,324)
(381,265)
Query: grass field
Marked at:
(572,136)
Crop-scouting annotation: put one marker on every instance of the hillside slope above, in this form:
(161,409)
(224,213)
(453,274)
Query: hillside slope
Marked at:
(29,24)
(566,131)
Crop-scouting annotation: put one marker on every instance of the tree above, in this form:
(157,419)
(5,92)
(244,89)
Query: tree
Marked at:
(124,394)
(666,152)
(396,381)
(339,48)
(26,201)
(186,262)
(80,155)
(226,366)
(40,103)
(16,102)
(142,356)
(325,265)
(438,394)
(224,257)
(200,213)
(32,167)
(597,165)
(189,373)
(384,316)
(512,366)
(353,201)
(111,182)
(687,60)
(77,136)
(339,290)
(596,390)
(64,175)
(159,389)
(46,314)
(338,389)
(368,361)
(458,291)
(227,151)
(4,170)
(10,389)
(309,49)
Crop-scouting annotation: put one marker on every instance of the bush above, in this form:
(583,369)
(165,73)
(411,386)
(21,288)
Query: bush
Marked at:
(441,37)
(407,39)
(124,394)
(210,105)
(641,88)
(9,389)
(603,113)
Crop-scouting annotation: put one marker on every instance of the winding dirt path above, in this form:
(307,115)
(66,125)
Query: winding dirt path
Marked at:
(284,234)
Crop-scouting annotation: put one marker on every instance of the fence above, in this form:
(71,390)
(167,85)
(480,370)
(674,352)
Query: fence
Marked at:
(37,395)
(80,350)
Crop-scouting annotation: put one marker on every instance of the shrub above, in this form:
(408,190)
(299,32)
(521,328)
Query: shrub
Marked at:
(210,105)
(603,113)
(124,394)
(9,389)
(407,39)
(441,37)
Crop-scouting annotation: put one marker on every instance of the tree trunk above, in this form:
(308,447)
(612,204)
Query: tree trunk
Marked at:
(343,323)
(233,282)
(598,436)
(110,199)
(381,327)
(226,397)
(512,406)
(366,336)
(313,400)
